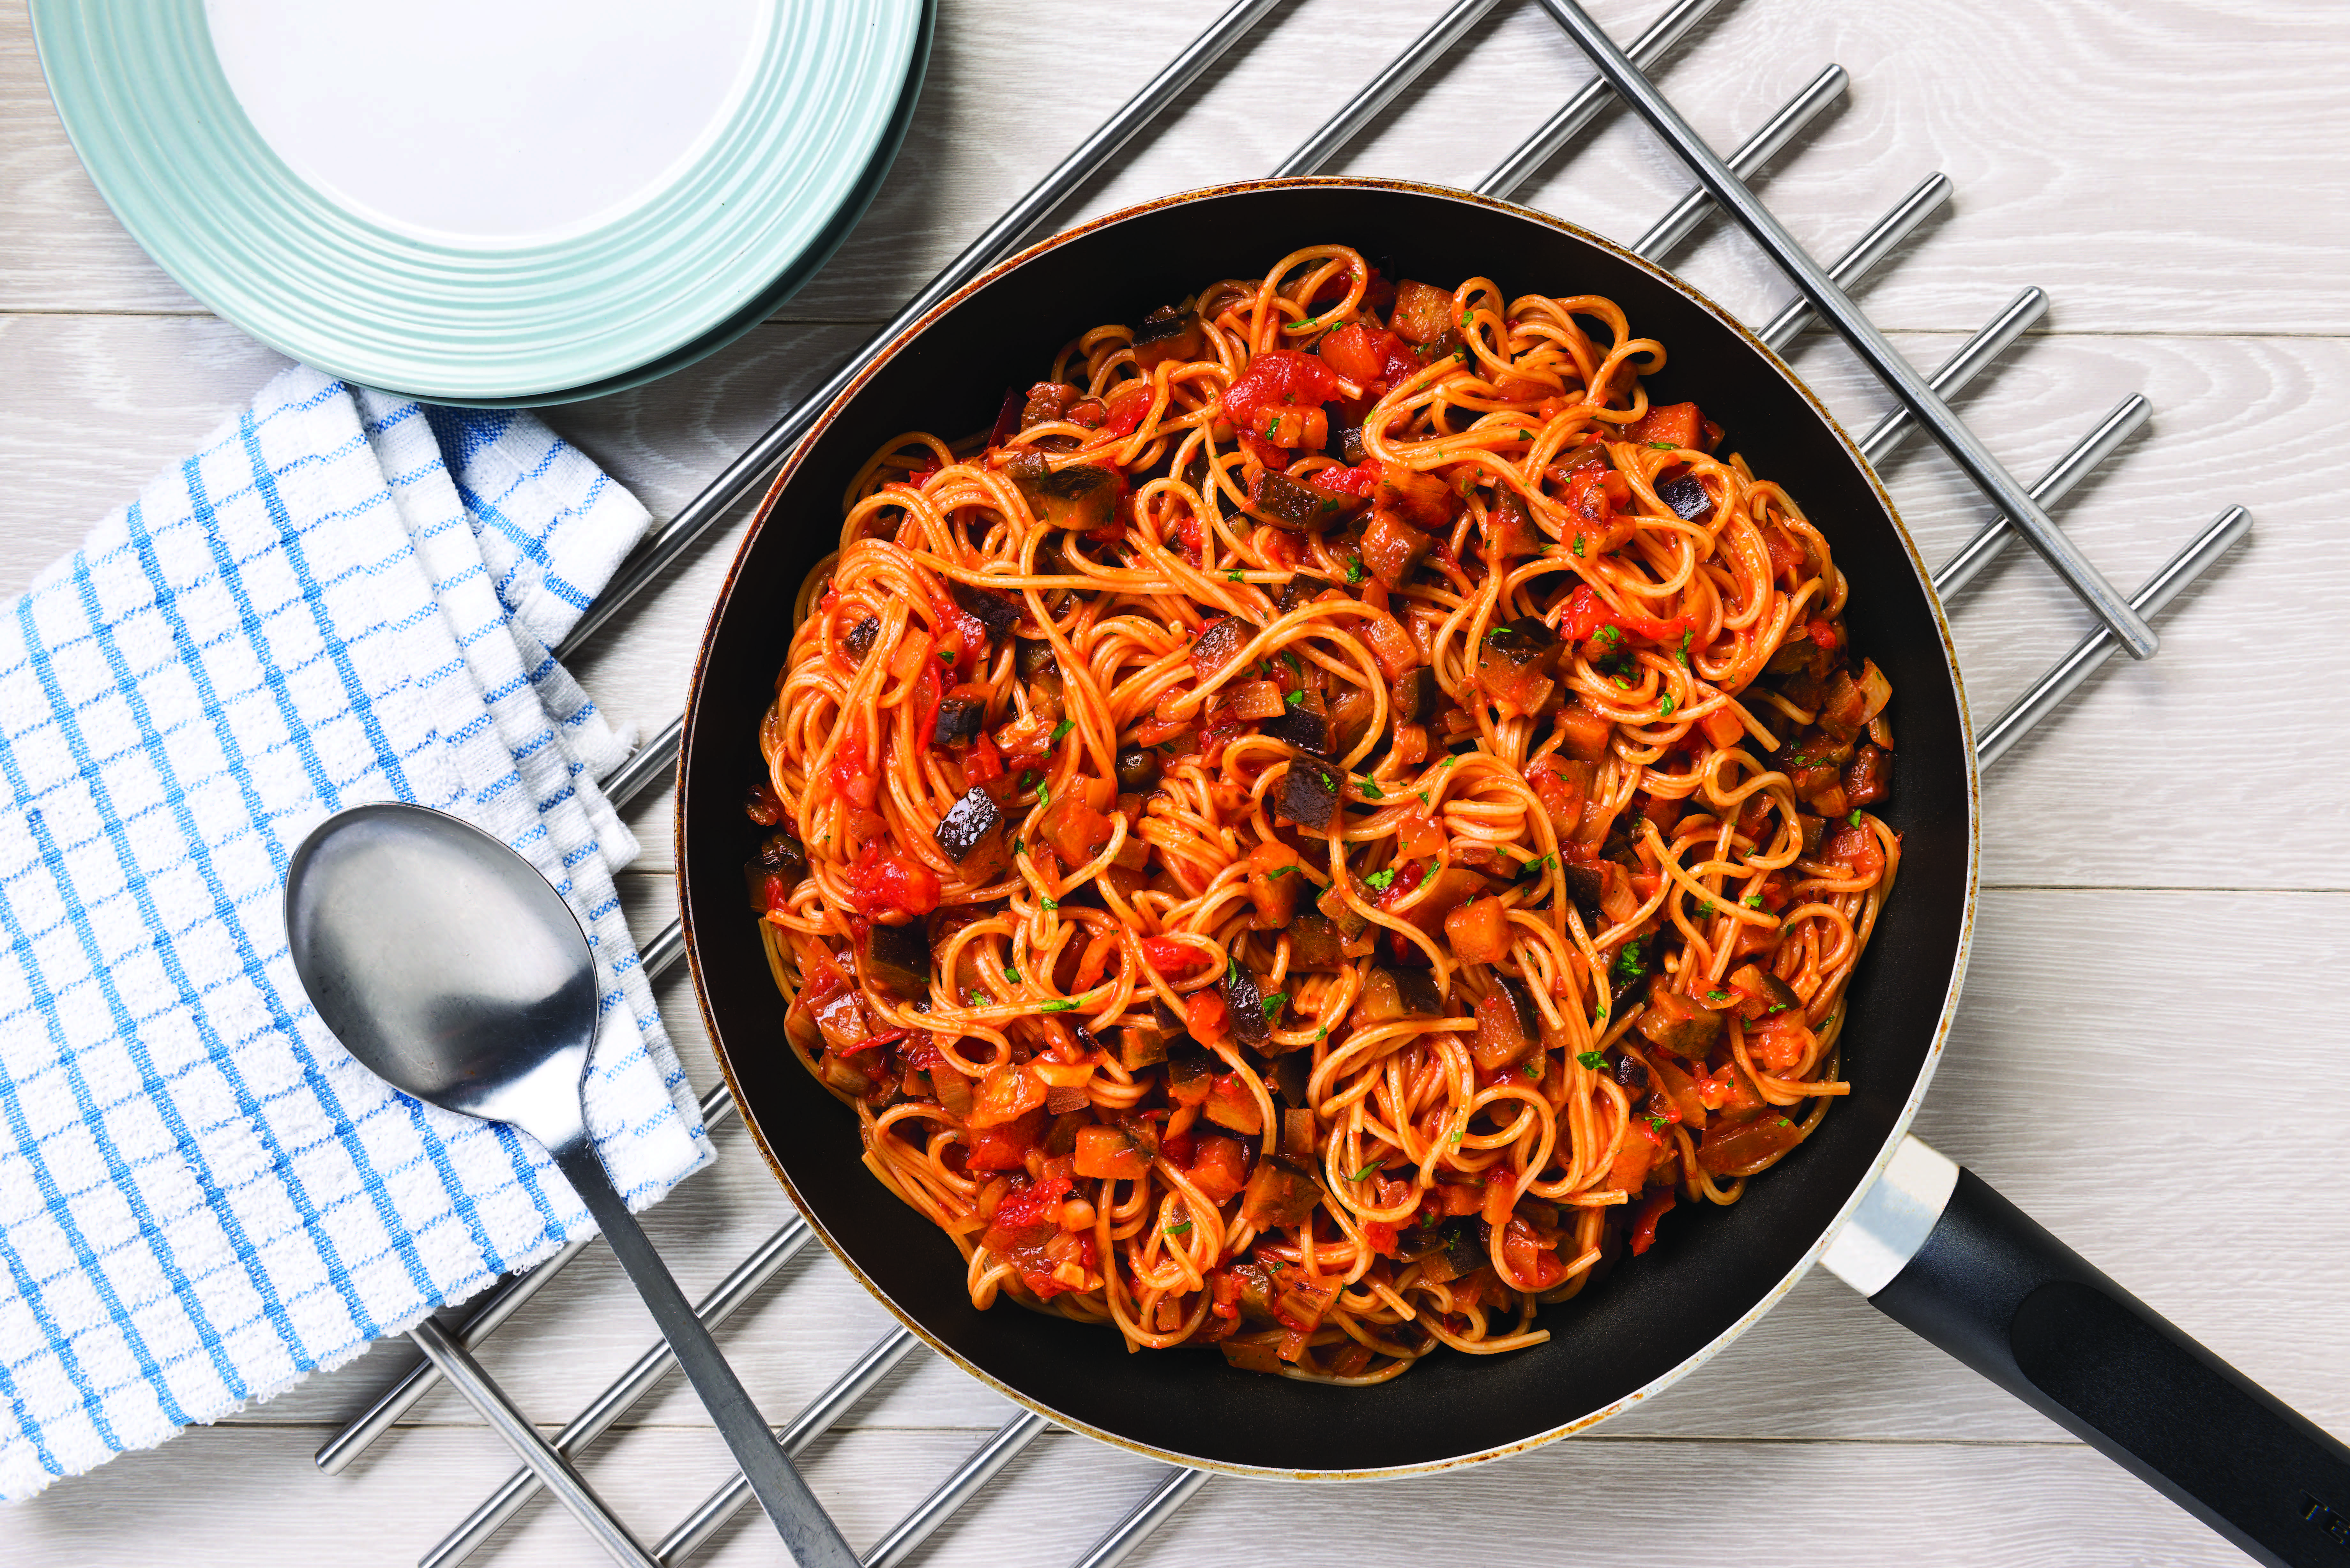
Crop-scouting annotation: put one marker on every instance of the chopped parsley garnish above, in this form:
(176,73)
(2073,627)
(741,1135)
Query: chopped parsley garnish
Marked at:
(1455,1139)
(1353,568)
(1753,900)
(1180,1228)
(1055,1006)
(1028,779)
(1234,576)
(978,999)
(1372,791)
(1579,543)
(1593,1060)
(1365,1171)
(1278,872)
(1043,795)
(1662,446)
(946,655)
(1657,1120)
(1780,1007)
(1717,996)
(1290,658)
(1296,699)
(1063,728)
(1019,846)
(1668,705)
(1272,1003)
(1380,880)
(1627,963)
(1011,974)
(1854,820)
(1323,1032)
(1423,797)
(1050,903)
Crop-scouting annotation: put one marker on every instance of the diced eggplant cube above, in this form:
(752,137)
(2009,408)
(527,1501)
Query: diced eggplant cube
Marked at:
(1686,496)
(1190,1066)
(1341,914)
(1246,1004)
(1525,643)
(1348,442)
(967,823)
(1291,1071)
(896,959)
(1138,770)
(1169,332)
(1035,658)
(1222,638)
(781,854)
(999,613)
(1584,883)
(1627,1071)
(1415,696)
(1078,497)
(1301,588)
(959,718)
(1315,946)
(1138,1046)
(1299,508)
(1522,1001)
(1308,795)
(1463,1246)
(859,640)
(1416,987)
(1305,724)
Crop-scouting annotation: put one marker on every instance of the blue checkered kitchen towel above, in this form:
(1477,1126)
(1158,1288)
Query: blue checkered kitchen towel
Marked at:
(343,597)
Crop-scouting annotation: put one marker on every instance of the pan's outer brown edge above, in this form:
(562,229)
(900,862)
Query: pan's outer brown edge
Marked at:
(1959,961)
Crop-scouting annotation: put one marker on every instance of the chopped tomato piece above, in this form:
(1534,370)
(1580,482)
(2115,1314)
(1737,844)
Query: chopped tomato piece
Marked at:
(1219,1168)
(1587,612)
(851,775)
(884,881)
(1644,1223)
(1854,847)
(1106,1153)
(1679,424)
(1279,397)
(1007,1094)
(1723,727)
(1004,1147)
(1205,1015)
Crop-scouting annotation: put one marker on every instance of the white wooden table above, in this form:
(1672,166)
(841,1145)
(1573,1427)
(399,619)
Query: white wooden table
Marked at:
(2148,1059)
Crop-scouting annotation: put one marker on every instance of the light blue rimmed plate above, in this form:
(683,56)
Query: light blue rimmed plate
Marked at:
(487,201)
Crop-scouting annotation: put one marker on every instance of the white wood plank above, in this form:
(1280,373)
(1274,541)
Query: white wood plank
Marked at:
(2133,156)
(228,1497)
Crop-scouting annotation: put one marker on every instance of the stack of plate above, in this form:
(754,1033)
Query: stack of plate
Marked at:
(488,201)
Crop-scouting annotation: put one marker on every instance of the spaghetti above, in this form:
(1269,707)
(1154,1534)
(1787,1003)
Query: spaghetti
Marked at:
(1327,822)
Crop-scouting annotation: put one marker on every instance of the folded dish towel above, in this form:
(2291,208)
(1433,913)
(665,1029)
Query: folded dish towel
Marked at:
(343,597)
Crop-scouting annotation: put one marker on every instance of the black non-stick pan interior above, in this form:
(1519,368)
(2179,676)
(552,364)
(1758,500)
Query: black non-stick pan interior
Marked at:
(1711,1267)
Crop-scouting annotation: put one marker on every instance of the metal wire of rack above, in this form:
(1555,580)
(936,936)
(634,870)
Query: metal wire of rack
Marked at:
(1822,294)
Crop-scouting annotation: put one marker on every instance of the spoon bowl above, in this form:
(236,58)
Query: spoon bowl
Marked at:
(446,964)
(450,968)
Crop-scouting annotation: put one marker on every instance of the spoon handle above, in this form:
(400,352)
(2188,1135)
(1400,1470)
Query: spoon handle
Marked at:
(808,1532)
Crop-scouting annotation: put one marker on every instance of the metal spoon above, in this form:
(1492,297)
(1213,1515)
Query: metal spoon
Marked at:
(447,965)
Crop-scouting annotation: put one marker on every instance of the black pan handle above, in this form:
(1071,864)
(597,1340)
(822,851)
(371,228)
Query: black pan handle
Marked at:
(1971,1272)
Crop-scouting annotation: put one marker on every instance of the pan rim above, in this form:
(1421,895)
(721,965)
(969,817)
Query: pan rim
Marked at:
(1944,1018)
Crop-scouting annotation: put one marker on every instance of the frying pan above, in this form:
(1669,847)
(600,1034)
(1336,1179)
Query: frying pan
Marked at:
(1933,1246)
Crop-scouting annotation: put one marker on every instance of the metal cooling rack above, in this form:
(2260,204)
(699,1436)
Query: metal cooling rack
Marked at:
(1821,295)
